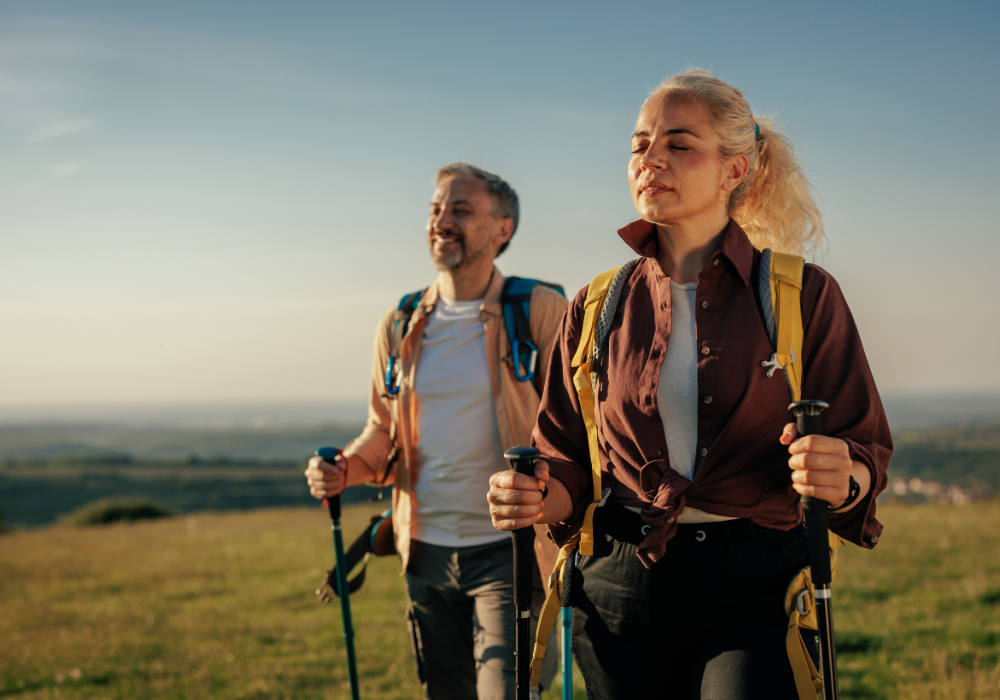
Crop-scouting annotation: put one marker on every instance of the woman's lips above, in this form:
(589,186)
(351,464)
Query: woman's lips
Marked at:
(653,188)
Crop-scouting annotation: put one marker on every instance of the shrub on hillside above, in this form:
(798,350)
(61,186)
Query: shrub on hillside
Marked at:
(113,510)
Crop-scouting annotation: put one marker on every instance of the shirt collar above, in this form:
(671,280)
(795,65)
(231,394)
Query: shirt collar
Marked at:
(491,302)
(735,247)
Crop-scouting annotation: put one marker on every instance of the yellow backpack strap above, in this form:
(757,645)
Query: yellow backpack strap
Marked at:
(781,302)
(583,381)
(800,606)
(550,611)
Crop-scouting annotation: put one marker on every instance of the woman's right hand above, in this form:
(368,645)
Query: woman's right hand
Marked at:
(325,479)
(516,499)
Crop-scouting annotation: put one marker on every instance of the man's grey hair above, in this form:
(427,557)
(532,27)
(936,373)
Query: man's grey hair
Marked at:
(505,204)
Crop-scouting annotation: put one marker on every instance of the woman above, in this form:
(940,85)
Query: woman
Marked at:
(701,533)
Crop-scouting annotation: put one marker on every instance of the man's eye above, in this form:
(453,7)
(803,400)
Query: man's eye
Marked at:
(638,149)
(678,147)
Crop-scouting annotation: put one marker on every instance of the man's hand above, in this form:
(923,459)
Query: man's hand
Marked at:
(516,499)
(822,467)
(325,479)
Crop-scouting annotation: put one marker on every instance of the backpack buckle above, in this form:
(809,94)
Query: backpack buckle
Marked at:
(604,497)
(516,357)
(392,377)
(800,602)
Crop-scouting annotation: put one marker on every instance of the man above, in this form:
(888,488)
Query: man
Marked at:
(459,406)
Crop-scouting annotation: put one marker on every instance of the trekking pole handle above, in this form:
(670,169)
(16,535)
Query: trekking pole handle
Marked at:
(332,503)
(807,420)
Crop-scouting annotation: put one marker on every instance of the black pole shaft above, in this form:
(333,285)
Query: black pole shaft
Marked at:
(333,505)
(807,415)
(522,460)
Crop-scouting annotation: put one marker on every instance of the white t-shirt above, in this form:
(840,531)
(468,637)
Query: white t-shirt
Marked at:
(460,445)
(677,391)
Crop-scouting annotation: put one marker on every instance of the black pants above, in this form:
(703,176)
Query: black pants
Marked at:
(707,621)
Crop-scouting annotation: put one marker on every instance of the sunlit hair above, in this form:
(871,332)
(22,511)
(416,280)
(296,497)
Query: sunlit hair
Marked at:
(505,204)
(774,204)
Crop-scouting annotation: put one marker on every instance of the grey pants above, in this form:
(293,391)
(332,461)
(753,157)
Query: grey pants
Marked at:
(461,621)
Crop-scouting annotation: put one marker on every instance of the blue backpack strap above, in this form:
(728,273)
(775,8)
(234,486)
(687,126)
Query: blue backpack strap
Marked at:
(516,301)
(407,305)
(764,290)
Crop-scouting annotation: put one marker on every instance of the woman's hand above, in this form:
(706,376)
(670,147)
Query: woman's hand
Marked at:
(822,467)
(516,499)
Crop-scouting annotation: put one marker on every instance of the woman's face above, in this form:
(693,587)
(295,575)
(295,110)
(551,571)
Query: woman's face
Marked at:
(676,173)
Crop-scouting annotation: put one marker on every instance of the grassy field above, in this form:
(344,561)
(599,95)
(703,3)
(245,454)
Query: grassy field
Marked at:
(222,606)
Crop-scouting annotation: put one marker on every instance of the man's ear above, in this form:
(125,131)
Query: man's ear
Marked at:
(735,170)
(504,231)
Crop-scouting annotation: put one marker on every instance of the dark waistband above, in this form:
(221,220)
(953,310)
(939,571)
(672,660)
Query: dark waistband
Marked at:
(625,526)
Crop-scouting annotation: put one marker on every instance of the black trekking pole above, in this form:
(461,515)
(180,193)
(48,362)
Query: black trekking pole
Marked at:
(522,460)
(817,527)
(330,454)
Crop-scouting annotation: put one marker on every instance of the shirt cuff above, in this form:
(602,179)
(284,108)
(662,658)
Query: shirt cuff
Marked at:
(858,524)
(579,486)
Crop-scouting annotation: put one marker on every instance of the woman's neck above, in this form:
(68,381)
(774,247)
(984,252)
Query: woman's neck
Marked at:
(684,248)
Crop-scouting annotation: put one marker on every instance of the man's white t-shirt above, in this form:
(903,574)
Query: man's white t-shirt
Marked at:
(460,445)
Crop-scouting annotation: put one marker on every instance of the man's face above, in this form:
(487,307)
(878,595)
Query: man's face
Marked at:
(461,228)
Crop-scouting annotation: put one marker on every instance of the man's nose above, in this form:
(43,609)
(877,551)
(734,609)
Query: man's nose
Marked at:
(441,221)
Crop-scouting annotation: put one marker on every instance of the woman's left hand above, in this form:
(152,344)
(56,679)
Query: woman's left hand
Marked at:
(821,466)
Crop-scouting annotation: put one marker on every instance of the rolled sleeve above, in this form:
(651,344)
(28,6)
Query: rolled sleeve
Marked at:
(837,371)
(560,433)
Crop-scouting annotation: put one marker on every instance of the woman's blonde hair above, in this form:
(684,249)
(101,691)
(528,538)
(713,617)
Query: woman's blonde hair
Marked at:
(774,203)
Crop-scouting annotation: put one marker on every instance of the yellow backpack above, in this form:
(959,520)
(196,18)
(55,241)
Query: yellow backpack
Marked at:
(780,294)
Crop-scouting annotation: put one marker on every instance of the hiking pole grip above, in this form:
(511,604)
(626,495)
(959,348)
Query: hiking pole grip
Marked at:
(522,460)
(808,422)
(331,454)
(807,419)
(331,503)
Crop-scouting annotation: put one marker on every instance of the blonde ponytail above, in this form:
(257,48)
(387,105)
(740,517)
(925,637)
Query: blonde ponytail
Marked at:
(774,203)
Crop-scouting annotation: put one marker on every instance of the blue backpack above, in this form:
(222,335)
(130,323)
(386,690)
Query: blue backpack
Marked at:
(516,301)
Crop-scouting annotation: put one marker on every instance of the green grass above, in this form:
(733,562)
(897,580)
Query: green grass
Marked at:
(222,606)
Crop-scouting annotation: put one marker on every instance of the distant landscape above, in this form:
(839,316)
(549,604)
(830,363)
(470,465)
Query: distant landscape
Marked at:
(247,457)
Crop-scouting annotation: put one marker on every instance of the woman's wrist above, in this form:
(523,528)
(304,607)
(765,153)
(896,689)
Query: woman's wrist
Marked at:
(557,504)
(861,477)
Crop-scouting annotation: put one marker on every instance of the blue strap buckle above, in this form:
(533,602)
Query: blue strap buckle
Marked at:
(530,374)
(391,377)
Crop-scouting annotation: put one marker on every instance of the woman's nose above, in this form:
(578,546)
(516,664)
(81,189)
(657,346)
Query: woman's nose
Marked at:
(653,159)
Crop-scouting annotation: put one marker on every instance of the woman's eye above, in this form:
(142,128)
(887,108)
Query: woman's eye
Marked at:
(678,147)
(638,149)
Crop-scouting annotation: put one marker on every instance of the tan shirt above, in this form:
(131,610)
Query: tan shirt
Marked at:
(516,402)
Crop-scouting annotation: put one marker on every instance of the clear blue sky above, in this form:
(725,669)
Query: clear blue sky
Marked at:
(216,201)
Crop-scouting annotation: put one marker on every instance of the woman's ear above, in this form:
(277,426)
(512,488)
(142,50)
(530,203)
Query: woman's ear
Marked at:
(735,170)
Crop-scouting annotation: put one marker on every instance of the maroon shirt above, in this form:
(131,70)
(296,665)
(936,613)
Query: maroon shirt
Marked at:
(741,470)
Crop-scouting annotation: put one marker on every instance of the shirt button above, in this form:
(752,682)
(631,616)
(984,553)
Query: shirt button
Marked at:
(705,304)
(670,519)
(705,351)
(706,398)
(703,451)
(874,539)
(715,262)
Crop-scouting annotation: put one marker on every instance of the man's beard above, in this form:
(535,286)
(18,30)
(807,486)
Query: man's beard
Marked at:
(455,258)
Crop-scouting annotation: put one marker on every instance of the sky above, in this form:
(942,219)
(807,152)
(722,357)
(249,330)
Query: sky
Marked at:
(216,201)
